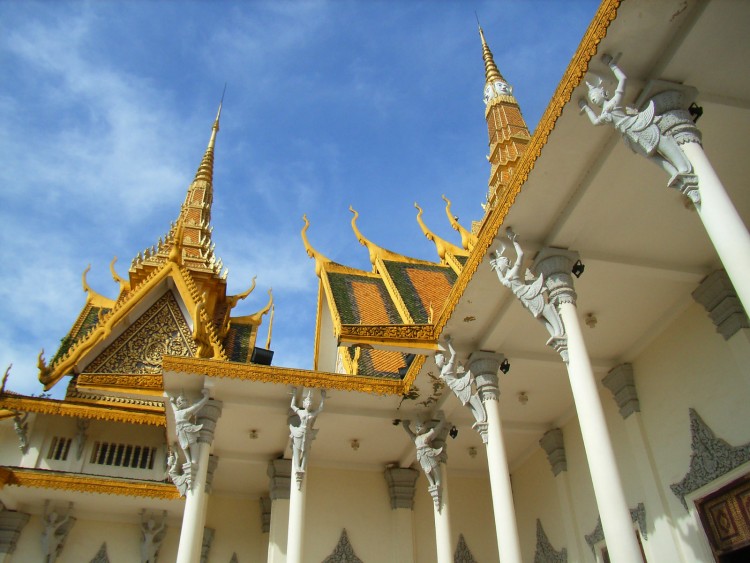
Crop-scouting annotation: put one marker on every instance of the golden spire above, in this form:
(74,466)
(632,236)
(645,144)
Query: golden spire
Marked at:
(206,168)
(490,68)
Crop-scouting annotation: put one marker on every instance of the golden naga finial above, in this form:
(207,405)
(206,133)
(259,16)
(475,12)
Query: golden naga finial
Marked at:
(441,245)
(124,284)
(200,330)
(320,259)
(44,370)
(232,300)
(256,318)
(468,240)
(92,297)
(371,247)
(5,378)
(175,253)
(491,73)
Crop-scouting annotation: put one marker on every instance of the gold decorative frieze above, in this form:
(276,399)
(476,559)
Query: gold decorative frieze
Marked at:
(64,408)
(87,484)
(162,329)
(421,336)
(283,376)
(126,381)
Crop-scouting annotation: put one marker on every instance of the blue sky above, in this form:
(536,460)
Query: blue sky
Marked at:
(107,107)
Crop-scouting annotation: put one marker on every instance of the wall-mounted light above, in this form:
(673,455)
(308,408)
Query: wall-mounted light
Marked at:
(453,432)
(505,366)
(578,269)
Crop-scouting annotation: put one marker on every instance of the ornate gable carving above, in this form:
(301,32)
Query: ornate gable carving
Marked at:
(343,552)
(162,329)
(545,553)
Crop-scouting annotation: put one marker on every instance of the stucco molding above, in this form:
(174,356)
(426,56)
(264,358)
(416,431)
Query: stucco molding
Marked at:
(554,446)
(711,458)
(545,553)
(343,552)
(621,382)
(463,553)
(718,296)
(401,486)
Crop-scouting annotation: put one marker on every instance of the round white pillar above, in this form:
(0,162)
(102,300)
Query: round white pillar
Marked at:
(191,533)
(508,544)
(443,538)
(605,476)
(296,519)
(722,222)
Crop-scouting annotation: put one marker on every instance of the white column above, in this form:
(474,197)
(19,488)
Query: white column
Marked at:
(279,473)
(401,487)
(194,515)
(191,533)
(484,366)
(663,543)
(443,535)
(296,520)
(556,265)
(553,445)
(723,223)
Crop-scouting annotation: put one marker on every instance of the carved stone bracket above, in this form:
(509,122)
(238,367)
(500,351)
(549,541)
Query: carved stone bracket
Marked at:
(12,523)
(280,478)
(207,417)
(711,458)
(545,553)
(343,552)
(554,446)
(485,366)
(208,539)
(463,553)
(637,515)
(213,462)
(401,486)
(621,382)
(717,294)
(265,514)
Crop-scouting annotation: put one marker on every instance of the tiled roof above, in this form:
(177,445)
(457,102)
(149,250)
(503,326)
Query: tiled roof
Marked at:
(237,342)
(87,320)
(380,363)
(362,299)
(422,287)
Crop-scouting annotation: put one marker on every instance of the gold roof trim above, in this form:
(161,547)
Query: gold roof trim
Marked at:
(320,260)
(441,245)
(256,318)
(124,284)
(64,408)
(282,375)
(49,375)
(77,482)
(575,72)
(138,382)
(417,336)
(378,252)
(92,297)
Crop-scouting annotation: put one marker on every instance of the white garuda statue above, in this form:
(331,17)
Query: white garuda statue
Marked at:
(187,430)
(530,290)
(655,132)
(303,434)
(152,536)
(429,458)
(460,382)
(56,529)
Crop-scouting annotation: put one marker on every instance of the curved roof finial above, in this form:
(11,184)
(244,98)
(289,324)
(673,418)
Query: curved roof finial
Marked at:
(124,284)
(468,240)
(371,247)
(92,297)
(441,245)
(257,317)
(320,259)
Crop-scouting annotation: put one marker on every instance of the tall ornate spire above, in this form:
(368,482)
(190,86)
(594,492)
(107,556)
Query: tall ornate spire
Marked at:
(194,223)
(507,130)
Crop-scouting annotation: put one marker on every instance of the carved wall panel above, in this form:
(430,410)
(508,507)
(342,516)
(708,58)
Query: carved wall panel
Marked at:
(162,329)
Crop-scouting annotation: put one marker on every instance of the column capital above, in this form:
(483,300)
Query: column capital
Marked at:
(556,265)
(207,417)
(718,296)
(401,486)
(621,382)
(484,365)
(280,478)
(554,446)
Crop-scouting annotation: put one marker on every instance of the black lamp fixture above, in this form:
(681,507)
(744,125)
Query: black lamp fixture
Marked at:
(695,112)
(453,432)
(505,366)
(578,269)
